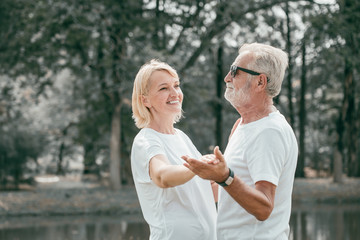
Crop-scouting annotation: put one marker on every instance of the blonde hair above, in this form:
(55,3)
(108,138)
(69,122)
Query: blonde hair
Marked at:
(141,114)
(268,60)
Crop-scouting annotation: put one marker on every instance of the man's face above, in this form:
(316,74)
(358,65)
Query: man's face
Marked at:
(238,88)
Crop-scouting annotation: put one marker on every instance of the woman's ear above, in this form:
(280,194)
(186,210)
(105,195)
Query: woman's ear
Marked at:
(145,101)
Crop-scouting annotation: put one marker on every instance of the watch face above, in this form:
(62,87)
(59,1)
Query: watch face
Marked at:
(229,180)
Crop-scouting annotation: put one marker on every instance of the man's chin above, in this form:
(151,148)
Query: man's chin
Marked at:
(228,96)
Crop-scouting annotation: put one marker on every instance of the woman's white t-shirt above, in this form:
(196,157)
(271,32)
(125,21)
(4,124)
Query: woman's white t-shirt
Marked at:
(183,212)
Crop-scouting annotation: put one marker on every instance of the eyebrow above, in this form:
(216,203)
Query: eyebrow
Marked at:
(161,84)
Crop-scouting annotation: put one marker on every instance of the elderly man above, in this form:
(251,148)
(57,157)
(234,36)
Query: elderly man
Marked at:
(257,169)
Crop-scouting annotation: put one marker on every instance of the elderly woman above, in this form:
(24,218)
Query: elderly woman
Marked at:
(175,203)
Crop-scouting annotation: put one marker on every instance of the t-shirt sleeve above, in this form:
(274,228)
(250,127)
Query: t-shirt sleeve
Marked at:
(266,157)
(144,148)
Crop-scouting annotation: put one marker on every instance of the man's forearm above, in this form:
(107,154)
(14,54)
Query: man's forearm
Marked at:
(254,201)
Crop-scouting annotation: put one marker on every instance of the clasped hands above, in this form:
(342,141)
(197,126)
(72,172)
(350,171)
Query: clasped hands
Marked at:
(210,166)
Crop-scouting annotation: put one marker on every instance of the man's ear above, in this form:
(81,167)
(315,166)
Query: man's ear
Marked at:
(262,82)
(145,101)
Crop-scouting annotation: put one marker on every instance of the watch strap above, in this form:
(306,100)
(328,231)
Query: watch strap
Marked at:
(229,180)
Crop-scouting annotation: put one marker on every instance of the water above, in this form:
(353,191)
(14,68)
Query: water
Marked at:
(308,222)
(325,222)
(74,228)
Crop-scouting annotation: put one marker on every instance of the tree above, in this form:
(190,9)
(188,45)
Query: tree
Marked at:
(103,43)
(91,40)
(349,17)
(336,26)
(302,115)
(21,142)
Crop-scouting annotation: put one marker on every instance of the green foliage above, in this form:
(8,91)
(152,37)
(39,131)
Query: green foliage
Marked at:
(334,38)
(103,44)
(18,145)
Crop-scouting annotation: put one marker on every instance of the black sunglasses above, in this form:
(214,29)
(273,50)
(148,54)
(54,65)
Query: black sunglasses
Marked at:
(234,68)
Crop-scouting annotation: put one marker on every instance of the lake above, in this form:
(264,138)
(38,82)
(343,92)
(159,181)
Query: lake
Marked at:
(308,222)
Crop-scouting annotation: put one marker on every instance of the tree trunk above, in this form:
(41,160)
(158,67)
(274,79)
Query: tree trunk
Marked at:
(356,159)
(115,148)
(289,76)
(350,121)
(157,25)
(219,94)
(125,165)
(302,116)
(350,113)
(17,173)
(90,159)
(338,154)
(60,170)
(3,168)
(338,173)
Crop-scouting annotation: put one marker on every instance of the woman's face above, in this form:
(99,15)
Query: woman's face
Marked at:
(164,96)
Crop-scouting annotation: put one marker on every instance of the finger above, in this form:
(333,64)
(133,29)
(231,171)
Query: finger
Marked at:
(185,158)
(208,158)
(216,161)
(191,162)
(218,154)
(191,168)
(213,160)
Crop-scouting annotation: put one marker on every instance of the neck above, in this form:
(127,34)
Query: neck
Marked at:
(165,126)
(256,111)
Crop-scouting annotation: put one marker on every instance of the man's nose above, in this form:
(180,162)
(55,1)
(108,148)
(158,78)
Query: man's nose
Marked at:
(227,77)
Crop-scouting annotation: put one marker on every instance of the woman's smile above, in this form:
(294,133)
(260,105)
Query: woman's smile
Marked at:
(173,102)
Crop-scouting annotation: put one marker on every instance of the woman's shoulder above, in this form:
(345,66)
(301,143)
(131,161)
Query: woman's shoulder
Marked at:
(146,135)
(181,133)
(146,132)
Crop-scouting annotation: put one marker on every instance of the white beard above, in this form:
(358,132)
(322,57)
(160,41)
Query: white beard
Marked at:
(237,98)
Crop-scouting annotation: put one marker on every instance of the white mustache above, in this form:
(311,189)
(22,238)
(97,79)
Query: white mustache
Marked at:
(229,85)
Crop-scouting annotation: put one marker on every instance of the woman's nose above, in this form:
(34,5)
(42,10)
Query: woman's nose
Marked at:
(174,91)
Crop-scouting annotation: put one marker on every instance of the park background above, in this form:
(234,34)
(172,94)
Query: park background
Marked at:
(67,69)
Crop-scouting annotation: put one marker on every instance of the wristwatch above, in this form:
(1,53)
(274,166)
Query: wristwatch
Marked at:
(229,180)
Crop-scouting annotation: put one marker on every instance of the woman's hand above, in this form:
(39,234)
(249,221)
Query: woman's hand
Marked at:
(210,159)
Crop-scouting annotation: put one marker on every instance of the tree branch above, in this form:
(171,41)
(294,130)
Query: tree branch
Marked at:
(221,22)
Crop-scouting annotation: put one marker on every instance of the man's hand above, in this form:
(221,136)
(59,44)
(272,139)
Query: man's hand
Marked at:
(211,166)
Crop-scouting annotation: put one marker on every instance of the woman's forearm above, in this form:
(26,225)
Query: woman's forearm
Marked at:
(175,175)
(166,175)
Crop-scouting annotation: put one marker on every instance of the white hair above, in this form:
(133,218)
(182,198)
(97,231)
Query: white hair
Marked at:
(268,60)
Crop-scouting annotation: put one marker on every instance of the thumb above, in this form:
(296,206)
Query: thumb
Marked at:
(218,154)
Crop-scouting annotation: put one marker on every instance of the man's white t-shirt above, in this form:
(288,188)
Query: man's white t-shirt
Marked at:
(264,150)
(183,212)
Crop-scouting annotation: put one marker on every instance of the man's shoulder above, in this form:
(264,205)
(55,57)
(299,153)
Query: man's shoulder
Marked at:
(277,120)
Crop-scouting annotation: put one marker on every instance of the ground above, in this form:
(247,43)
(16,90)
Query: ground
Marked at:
(69,196)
